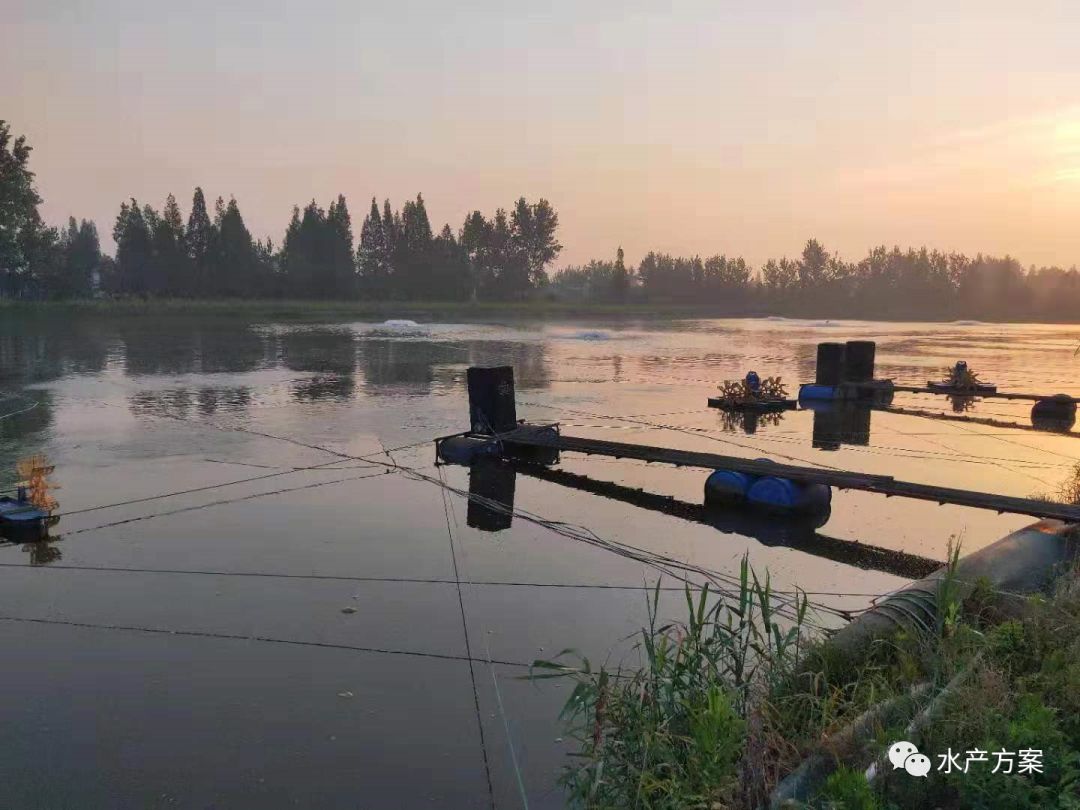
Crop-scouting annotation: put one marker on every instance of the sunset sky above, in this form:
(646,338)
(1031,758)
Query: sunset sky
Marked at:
(688,127)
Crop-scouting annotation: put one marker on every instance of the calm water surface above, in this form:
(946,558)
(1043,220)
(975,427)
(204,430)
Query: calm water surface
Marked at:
(291,633)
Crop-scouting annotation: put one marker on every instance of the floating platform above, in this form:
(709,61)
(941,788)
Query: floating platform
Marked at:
(871,392)
(754,405)
(977,390)
(529,436)
(21,521)
(796,531)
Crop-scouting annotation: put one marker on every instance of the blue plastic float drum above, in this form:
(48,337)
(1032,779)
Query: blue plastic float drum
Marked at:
(466,449)
(814,392)
(768,493)
(783,495)
(727,487)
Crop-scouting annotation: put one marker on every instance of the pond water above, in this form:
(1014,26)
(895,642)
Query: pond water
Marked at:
(289,629)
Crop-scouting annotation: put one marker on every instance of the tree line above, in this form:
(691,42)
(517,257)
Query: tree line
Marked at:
(886,283)
(501,257)
(397,256)
(161,253)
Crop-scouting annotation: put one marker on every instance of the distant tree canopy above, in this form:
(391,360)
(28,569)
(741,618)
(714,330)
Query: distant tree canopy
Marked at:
(504,256)
(36,260)
(398,255)
(887,283)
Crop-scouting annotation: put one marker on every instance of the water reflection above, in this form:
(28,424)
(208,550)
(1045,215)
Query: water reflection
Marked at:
(748,421)
(417,366)
(40,350)
(328,351)
(837,424)
(180,347)
(234,349)
(492,483)
(389,365)
(36,350)
(167,350)
(44,551)
(334,387)
(529,359)
(961,403)
(182,403)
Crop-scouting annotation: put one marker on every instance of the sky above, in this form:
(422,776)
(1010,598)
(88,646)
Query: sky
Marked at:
(685,127)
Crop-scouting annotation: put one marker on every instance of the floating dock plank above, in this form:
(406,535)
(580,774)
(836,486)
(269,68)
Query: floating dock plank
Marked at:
(976,420)
(528,436)
(922,389)
(795,533)
(754,406)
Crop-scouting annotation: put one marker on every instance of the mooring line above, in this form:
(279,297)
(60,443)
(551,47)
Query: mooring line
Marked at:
(177,493)
(660,562)
(109,569)
(491,669)
(1011,467)
(222,503)
(241,637)
(506,729)
(468,647)
(21,410)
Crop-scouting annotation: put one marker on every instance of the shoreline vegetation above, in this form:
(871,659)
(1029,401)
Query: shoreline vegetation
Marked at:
(316,309)
(746,702)
(503,262)
(732,699)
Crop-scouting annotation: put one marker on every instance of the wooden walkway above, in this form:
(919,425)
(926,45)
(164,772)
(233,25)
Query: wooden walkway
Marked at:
(529,436)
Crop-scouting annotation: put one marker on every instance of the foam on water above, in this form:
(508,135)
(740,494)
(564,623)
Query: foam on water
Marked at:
(591,335)
(397,327)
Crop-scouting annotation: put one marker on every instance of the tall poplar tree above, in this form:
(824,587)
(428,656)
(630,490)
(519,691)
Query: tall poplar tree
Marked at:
(372,261)
(197,239)
(342,269)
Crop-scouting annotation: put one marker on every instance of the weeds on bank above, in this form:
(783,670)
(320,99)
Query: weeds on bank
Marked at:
(675,732)
(730,701)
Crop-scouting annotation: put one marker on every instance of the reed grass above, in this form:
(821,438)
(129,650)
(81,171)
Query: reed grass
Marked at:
(728,701)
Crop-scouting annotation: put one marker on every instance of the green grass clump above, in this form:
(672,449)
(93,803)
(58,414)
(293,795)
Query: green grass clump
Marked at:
(728,703)
(677,732)
(847,789)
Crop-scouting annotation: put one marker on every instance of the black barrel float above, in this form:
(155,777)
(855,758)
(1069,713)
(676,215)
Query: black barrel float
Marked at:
(1054,413)
(830,364)
(859,360)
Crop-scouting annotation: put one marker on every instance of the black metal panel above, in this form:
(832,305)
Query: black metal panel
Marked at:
(491,399)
